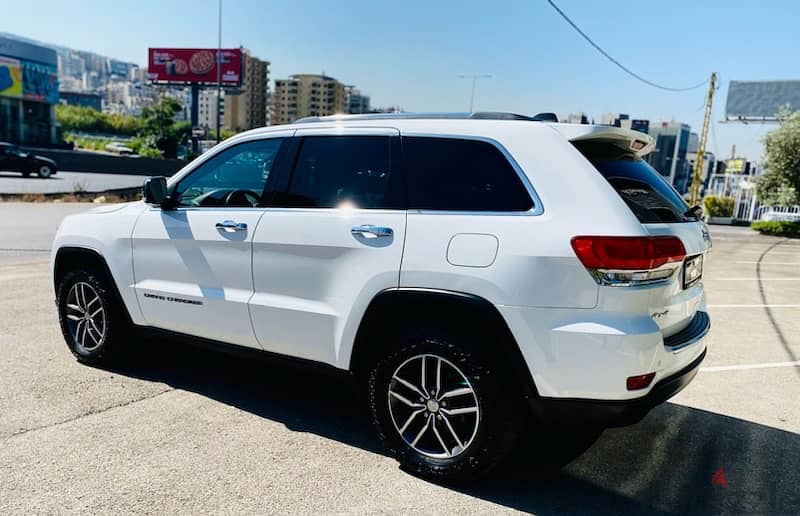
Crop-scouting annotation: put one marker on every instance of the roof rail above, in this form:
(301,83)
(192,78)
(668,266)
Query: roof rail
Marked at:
(482,115)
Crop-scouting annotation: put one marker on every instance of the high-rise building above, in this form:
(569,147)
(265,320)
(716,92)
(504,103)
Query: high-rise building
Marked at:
(669,155)
(356,102)
(307,95)
(207,109)
(247,109)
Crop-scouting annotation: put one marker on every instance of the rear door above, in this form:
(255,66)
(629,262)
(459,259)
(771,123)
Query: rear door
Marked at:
(662,211)
(329,244)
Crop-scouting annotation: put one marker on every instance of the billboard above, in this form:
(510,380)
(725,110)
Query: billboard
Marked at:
(760,100)
(39,82)
(194,65)
(10,77)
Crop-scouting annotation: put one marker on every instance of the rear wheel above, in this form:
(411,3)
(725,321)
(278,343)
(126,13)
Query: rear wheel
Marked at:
(440,409)
(91,321)
(45,171)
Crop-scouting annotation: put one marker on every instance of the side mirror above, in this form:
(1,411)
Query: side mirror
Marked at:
(154,190)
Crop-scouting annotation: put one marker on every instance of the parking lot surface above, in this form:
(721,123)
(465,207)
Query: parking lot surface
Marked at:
(185,431)
(66,182)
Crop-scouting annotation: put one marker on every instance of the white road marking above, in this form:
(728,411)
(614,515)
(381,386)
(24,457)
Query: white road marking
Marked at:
(767,365)
(751,279)
(753,306)
(766,263)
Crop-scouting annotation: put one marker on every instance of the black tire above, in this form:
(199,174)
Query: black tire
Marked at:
(45,171)
(499,408)
(104,341)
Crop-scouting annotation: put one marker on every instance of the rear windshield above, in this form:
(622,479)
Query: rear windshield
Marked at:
(651,198)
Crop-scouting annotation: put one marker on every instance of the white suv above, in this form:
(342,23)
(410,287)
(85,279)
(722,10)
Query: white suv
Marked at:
(474,271)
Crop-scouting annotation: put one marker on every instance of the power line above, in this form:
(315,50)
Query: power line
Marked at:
(623,67)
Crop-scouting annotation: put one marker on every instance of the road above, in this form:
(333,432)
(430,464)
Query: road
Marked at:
(66,182)
(186,431)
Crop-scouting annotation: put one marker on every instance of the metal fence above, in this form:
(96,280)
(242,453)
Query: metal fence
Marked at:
(746,206)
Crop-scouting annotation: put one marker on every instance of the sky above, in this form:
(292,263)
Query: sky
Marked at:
(410,53)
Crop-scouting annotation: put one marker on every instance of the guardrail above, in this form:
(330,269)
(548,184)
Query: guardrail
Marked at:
(83,161)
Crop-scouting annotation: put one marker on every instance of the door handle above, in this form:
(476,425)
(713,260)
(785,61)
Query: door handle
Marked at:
(370,231)
(229,226)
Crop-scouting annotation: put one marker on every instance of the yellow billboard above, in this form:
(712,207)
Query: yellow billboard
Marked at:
(734,166)
(10,77)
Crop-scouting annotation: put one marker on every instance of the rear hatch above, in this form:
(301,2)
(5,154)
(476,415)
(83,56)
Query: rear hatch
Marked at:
(673,302)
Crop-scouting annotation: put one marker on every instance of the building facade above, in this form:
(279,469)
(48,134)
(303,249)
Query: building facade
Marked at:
(247,109)
(357,103)
(28,92)
(75,98)
(307,95)
(669,156)
(207,109)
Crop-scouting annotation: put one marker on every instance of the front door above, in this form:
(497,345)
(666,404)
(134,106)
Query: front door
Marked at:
(327,246)
(192,263)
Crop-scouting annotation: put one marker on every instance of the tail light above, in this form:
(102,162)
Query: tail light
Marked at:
(627,261)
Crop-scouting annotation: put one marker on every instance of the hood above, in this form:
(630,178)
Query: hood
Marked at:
(108,208)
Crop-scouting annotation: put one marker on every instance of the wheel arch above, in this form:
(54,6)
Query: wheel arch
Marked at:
(394,310)
(69,257)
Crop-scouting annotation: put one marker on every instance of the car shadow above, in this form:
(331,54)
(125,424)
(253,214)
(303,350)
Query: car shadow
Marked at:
(678,460)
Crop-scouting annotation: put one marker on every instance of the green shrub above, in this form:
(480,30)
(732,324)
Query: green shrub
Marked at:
(716,206)
(777,227)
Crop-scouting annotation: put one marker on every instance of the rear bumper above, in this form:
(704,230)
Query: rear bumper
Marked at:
(608,413)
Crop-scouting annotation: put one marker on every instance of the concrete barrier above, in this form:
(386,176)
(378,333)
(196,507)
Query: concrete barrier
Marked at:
(82,161)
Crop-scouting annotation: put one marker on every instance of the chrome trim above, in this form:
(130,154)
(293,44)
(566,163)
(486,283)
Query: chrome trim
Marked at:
(538,207)
(229,226)
(370,231)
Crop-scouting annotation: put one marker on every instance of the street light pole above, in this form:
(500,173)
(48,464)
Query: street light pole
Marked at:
(219,67)
(474,78)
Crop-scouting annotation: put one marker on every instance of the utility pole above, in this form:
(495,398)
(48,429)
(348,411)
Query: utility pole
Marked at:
(474,78)
(697,179)
(219,67)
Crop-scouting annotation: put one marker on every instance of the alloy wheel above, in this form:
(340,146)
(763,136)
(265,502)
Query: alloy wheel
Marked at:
(44,171)
(86,317)
(433,406)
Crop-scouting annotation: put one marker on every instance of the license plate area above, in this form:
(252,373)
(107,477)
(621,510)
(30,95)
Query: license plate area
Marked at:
(692,270)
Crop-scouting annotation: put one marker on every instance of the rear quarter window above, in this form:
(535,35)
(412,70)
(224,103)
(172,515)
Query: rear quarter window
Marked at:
(461,175)
(649,196)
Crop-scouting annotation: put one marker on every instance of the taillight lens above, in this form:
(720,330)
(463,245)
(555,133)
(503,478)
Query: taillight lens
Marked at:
(641,259)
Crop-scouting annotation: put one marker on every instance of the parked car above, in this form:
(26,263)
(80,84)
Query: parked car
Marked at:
(119,148)
(14,159)
(474,273)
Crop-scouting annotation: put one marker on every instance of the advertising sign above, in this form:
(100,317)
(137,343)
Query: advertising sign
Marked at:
(760,100)
(194,65)
(39,82)
(10,77)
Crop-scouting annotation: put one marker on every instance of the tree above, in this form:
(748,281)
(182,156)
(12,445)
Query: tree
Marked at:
(780,184)
(160,128)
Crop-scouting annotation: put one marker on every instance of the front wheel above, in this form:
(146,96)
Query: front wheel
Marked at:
(91,320)
(45,171)
(440,408)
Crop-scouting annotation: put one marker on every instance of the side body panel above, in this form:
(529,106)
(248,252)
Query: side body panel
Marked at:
(106,230)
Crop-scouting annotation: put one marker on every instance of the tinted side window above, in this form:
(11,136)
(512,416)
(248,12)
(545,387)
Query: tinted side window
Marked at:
(234,177)
(649,196)
(461,175)
(334,170)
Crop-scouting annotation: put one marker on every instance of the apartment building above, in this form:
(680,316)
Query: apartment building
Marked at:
(247,108)
(307,95)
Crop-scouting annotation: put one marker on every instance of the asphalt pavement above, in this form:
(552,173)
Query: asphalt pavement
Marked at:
(65,182)
(184,431)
